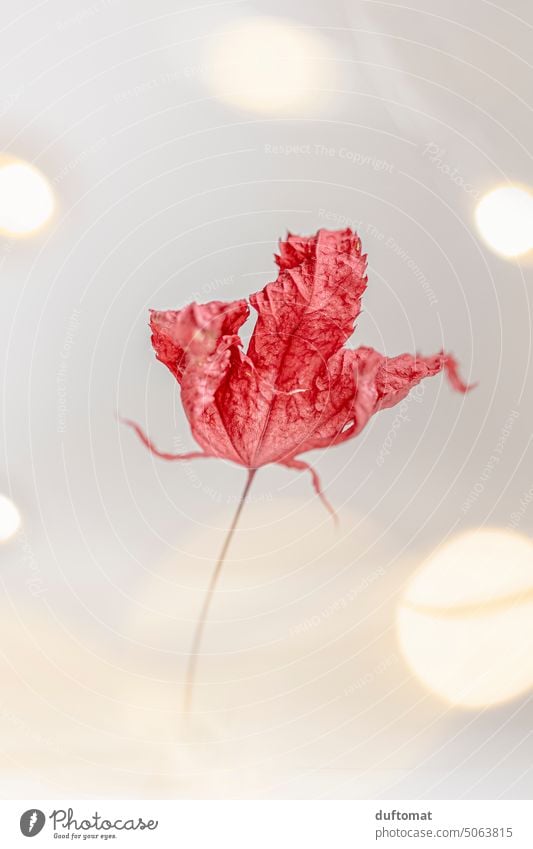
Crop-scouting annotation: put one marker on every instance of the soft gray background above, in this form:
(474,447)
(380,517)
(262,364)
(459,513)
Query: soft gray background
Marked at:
(165,193)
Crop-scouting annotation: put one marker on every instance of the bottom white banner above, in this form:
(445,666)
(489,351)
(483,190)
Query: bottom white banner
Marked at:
(268,824)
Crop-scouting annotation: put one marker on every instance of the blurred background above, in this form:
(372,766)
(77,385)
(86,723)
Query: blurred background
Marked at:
(152,154)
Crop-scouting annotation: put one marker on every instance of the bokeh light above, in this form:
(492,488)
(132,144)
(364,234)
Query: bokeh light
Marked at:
(504,218)
(26,198)
(9,518)
(465,623)
(266,65)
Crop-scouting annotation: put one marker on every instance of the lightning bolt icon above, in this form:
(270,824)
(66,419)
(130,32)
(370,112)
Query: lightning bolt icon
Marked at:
(33,820)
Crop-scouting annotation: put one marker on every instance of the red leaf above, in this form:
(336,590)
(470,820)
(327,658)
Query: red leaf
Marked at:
(297,387)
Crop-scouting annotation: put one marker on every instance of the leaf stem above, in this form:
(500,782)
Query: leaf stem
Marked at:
(202,618)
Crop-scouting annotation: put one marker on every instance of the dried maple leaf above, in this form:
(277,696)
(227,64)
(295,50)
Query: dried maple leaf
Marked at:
(297,387)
